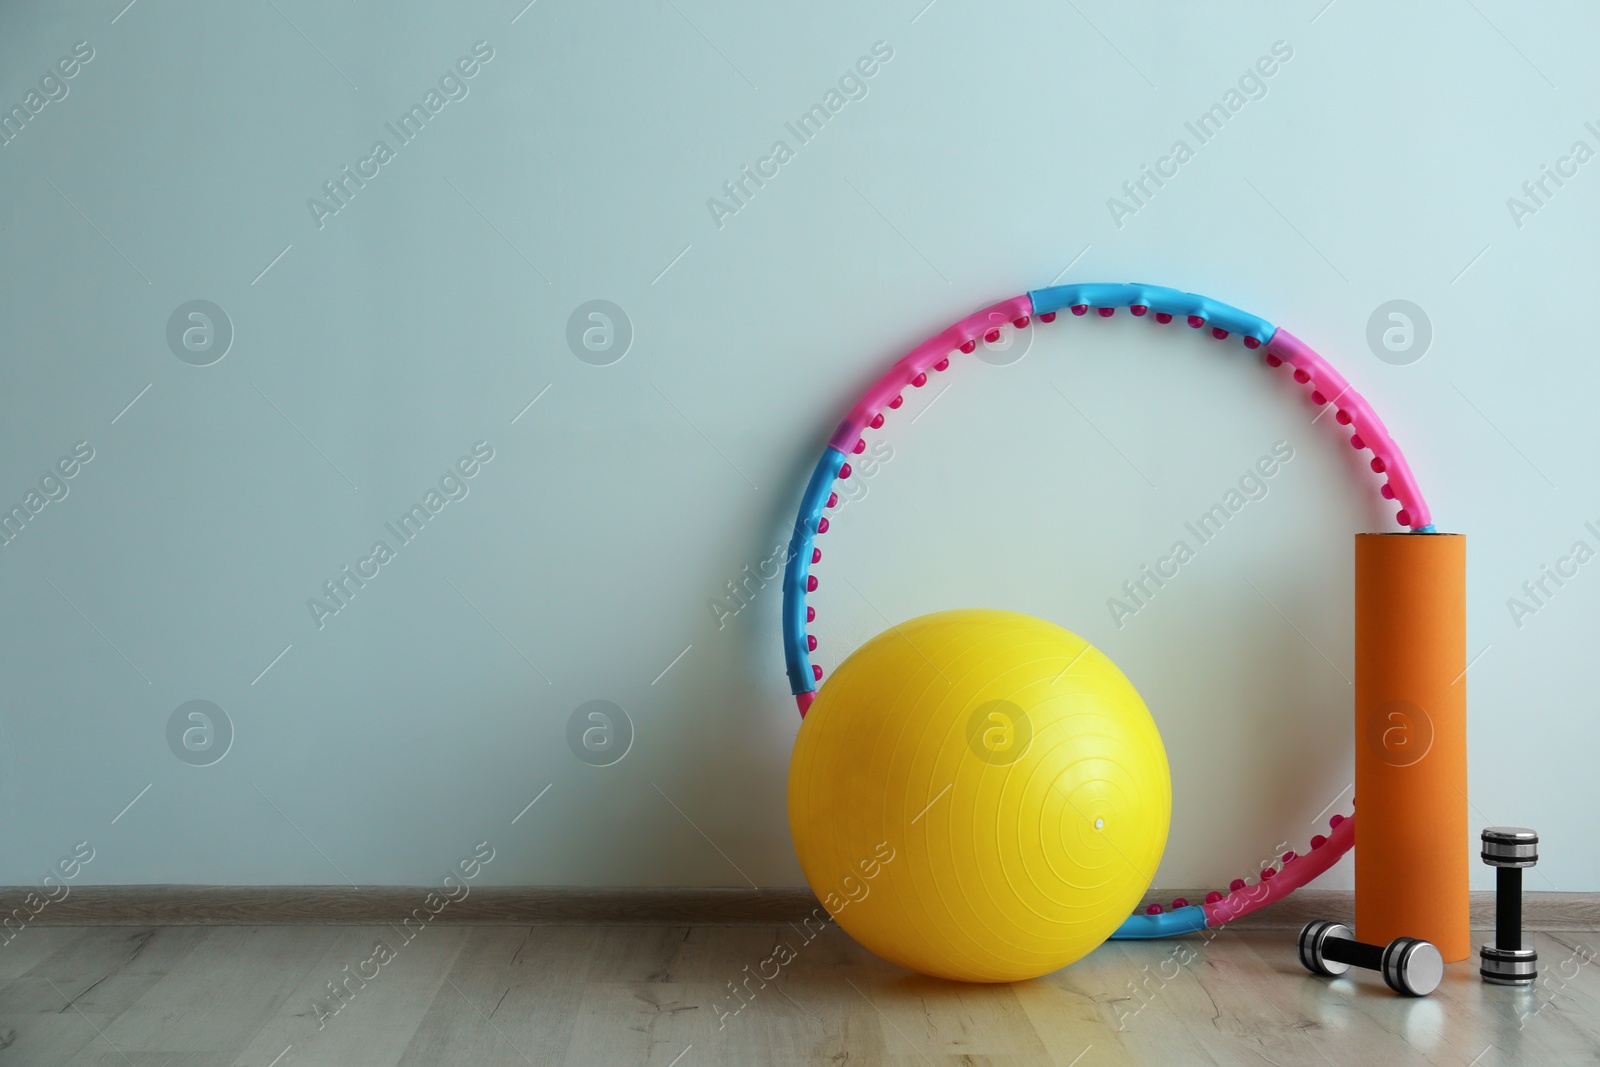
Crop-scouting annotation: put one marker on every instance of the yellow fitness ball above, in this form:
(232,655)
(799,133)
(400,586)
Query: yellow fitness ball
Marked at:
(979,795)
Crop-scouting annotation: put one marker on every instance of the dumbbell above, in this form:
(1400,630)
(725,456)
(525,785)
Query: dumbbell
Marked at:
(1508,849)
(1410,966)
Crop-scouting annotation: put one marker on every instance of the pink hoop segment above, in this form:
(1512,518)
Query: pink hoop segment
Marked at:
(1329,387)
(1293,872)
(962,337)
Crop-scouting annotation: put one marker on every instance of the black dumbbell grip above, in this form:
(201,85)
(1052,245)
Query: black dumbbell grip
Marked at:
(1508,908)
(1355,953)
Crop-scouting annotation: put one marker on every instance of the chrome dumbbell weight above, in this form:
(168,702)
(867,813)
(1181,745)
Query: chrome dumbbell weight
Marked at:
(1409,966)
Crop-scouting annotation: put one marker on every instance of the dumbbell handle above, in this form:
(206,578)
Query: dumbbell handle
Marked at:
(1508,908)
(1355,953)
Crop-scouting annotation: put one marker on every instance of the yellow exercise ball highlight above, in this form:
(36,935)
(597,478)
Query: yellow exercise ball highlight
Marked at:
(979,795)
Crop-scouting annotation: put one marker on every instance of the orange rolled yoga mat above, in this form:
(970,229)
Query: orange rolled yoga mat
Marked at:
(1412,843)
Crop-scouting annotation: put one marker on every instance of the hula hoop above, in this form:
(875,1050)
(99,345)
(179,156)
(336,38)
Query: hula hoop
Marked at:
(1163,305)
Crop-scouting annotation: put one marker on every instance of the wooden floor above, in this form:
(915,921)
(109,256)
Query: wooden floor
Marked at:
(664,996)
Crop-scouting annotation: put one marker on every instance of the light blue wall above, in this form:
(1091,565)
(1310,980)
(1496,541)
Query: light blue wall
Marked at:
(371,352)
